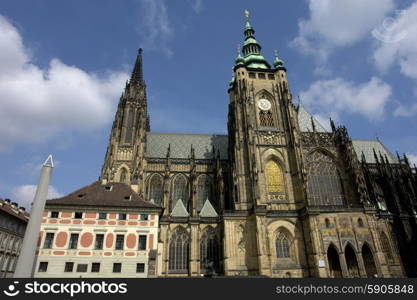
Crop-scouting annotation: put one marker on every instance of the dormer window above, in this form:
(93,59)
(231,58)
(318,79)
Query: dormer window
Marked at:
(127,198)
(108,188)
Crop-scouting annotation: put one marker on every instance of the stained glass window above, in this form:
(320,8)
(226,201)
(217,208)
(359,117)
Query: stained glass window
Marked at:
(323,181)
(204,191)
(282,246)
(275,178)
(179,251)
(266,119)
(180,190)
(123,175)
(209,251)
(129,126)
(155,189)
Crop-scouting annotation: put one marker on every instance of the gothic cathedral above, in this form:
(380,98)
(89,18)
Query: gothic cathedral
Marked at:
(279,196)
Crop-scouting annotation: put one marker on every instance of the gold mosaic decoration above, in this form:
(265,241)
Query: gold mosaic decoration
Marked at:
(275,178)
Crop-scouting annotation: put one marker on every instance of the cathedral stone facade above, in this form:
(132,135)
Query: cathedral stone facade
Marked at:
(278,196)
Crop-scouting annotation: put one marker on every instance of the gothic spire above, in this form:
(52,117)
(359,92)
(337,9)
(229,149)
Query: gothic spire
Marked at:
(137,74)
(252,49)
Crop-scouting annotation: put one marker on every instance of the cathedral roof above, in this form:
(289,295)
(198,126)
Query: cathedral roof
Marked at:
(114,194)
(180,144)
(367,147)
(304,121)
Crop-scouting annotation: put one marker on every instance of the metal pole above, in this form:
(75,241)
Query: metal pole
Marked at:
(26,259)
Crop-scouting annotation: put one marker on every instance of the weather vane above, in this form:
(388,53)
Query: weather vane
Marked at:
(247,14)
(276,53)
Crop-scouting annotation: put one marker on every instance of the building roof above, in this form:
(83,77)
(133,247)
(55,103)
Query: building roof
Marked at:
(180,143)
(14,212)
(157,145)
(304,121)
(113,194)
(367,147)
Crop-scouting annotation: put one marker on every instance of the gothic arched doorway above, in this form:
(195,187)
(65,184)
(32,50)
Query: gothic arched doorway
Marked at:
(368,261)
(334,263)
(351,261)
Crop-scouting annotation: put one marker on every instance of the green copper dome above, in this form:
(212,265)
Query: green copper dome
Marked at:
(278,63)
(252,57)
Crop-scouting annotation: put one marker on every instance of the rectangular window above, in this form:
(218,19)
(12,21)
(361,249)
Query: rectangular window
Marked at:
(82,267)
(69,266)
(49,239)
(99,241)
(117,267)
(102,216)
(54,214)
(73,243)
(78,215)
(122,216)
(142,242)
(95,267)
(252,75)
(140,268)
(271,76)
(43,266)
(144,217)
(261,75)
(120,240)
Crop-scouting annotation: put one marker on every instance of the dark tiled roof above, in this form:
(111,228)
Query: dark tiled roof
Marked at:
(111,194)
(367,147)
(24,216)
(157,145)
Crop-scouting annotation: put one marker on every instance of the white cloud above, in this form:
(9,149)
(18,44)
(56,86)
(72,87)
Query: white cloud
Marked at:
(397,43)
(331,97)
(197,6)
(24,195)
(155,28)
(334,24)
(37,103)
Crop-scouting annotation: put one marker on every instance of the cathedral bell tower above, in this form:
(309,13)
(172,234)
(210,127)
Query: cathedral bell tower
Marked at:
(126,148)
(262,129)
(264,154)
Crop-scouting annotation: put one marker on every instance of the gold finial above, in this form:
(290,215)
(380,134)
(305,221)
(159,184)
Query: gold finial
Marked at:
(247,14)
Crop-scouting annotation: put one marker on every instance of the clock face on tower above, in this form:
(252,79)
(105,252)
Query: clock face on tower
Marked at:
(264,104)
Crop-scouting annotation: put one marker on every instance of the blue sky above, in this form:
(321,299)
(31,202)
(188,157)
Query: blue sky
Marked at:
(64,64)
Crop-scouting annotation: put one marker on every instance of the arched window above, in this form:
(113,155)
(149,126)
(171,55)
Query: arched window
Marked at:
(179,251)
(156,189)
(123,175)
(323,181)
(209,252)
(129,126)
(360,222)
(328,224)
(282,246)
(266,119)
(385,246)
(180,190)
(351,261)
(368,261)
(335,269)
(204,191)
(275,178)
